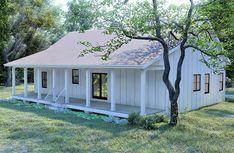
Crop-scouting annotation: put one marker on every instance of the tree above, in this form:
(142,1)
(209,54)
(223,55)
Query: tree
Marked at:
(31,27)
(4,31)
(221,15)
(81,15)
(168,26)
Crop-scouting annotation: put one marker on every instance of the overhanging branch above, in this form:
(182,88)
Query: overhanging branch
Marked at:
(142,37)
(202,51)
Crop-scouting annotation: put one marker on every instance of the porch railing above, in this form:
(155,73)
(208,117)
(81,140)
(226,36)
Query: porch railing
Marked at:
(61,92)
(49,93)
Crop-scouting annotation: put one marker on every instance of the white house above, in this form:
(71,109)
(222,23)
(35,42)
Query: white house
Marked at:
(130,81)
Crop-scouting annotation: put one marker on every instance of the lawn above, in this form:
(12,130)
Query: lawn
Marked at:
(30,128)
(230,91)
(5,92)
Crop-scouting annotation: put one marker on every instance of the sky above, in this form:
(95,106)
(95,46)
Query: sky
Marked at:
(62,3)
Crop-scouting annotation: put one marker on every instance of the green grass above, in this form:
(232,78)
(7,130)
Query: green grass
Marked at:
(5,92)
(32,128)
(230,91)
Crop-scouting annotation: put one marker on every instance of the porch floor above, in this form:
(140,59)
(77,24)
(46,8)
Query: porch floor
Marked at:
(80,104)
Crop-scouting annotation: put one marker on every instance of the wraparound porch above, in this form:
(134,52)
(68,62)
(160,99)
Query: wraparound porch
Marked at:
(80,104)
(126,91)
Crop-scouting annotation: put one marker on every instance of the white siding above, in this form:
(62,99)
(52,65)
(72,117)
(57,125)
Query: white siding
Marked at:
(127,84)
(188,99)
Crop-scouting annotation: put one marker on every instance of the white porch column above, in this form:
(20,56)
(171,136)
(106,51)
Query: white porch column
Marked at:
(13,81)
(143,88)
(25,82)
(112,94)
(66,85)
(38,83)
(53,86)
(87,88)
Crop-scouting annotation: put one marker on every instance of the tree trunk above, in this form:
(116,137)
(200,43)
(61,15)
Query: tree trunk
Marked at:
(8,83)
(174,112)
(6,60)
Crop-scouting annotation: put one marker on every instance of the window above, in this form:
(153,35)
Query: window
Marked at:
(44,79)
(221,82)
(75,76)
(196,82)
(207,83)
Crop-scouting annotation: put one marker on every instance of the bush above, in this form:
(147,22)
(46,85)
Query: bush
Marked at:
(228,99)
(134,119)
(148,122)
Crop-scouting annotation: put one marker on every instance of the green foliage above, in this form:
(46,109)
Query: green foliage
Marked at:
(229,99)
(34,26)
(107,48)
(138,19)
(81,15)
(7,9)
(221,18)
(6,92)
(148,122)
(4,24)
(134,118)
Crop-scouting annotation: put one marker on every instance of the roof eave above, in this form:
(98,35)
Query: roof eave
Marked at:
(75,66)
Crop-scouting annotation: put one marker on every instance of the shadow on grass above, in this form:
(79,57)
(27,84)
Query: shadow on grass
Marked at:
(219,113)
(97,124)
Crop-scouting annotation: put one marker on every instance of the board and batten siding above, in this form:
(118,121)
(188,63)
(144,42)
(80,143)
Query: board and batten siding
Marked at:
(75,90)
(188,99)
(127,86)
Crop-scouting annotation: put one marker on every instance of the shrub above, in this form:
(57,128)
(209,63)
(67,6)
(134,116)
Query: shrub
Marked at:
(160,118)
(228,99)
(134,119)
(148,122)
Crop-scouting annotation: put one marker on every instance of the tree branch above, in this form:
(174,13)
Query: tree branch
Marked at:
(202,51)
(174,36)
(142,37)
(157,19)
(188,23)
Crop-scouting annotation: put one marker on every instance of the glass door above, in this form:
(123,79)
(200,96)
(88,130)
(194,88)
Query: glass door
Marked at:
(99,85)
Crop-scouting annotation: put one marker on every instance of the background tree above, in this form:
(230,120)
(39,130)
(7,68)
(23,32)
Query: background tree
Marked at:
(81,15)
(5,12)
(32,29)
(221,15)
(169,27)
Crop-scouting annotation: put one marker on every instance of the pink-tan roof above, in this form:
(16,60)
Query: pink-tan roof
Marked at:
(65,53)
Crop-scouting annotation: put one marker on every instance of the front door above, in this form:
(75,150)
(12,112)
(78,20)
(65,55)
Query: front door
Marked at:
(99,86)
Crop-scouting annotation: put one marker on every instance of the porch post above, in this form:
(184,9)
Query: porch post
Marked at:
(13,81)
(143,87)
(87,88)
(53,87)
(38,83)
(66,86)
(112,94)
(25,82)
